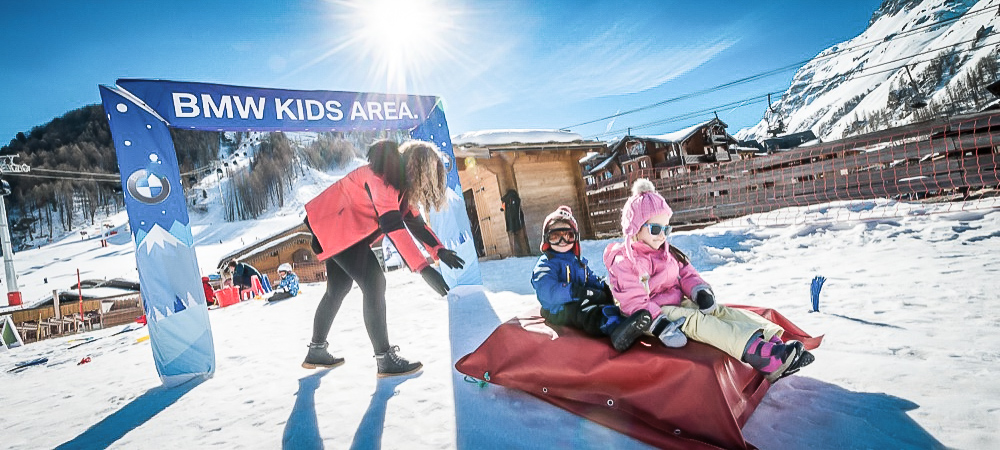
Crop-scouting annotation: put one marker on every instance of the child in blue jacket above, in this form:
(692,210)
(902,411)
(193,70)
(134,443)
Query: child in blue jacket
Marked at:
(289,285)
(571,294)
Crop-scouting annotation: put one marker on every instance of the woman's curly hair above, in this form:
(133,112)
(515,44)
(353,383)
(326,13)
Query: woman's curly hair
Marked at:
(426,179)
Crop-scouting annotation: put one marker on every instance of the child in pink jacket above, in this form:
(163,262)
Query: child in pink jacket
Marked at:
(646,272)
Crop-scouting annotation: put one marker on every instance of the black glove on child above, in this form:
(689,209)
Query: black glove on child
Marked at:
(706,301)
(450,258)
(435,280)
(589,295)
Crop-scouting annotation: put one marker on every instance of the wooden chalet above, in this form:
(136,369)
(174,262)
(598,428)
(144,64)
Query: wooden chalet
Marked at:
(289,246)
(541,167)
(599,168)
(677,152)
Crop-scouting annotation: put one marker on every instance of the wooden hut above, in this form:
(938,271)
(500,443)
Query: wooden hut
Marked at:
(541,168)
(287,246)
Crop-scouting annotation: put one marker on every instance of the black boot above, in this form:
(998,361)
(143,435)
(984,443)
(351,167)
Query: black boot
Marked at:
(772,358)
(628,331)
(805,358)
(391,364)
(318,357)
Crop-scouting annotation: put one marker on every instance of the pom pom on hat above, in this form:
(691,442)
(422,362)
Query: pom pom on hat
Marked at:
(644,203)
(642,186)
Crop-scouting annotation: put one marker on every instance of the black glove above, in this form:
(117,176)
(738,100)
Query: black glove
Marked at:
(589,295)
(705,300)
(450,258)
(435,280)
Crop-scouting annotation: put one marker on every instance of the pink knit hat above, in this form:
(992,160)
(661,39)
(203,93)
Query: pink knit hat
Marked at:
(561,214)
(644,203)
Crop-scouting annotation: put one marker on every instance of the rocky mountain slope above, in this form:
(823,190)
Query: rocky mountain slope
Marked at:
(950,48)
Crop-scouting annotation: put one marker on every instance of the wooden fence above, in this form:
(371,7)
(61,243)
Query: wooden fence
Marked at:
(945,157)
(42,322)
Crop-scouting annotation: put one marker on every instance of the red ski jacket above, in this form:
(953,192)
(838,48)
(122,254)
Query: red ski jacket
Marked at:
(362,206)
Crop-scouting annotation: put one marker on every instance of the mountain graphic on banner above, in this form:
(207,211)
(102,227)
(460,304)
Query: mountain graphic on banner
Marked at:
(162,311)
(179,234)
(156,237)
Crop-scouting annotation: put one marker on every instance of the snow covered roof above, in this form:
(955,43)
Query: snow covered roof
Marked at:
(263,245)
(590,156)
(500,137)
(603,164)
(680,135)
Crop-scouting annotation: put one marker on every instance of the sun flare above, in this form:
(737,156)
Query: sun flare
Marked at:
(399,39)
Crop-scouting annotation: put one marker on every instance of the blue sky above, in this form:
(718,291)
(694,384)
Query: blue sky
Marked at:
(496,64)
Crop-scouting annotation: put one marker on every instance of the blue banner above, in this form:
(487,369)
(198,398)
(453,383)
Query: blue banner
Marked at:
(452,224)
(217,107)
(169,277)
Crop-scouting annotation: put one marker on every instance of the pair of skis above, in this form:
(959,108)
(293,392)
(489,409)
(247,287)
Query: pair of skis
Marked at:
(129,327)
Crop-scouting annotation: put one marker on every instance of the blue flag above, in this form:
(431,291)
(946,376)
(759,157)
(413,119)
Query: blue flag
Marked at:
(169,277)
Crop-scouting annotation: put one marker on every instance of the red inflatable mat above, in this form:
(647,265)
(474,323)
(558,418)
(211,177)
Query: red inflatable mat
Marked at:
(692,397)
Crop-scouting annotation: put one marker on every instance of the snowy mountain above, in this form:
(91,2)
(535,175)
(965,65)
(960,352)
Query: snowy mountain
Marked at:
(949,46)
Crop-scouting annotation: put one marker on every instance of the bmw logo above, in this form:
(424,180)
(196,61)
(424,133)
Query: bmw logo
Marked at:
(448,161)
(148,188)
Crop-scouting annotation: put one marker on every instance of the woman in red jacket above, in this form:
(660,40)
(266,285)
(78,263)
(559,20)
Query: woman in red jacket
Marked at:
(381,198)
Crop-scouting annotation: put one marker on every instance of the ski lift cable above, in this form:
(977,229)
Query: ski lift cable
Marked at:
(744,102)
(747,101)
(56,177)
(786,68)
(73,172)
(866,71)
(115,175)
(761,98)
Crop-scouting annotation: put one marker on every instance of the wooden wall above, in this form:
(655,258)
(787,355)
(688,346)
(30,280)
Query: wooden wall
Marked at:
(492,222)
(546,181)
(296,252)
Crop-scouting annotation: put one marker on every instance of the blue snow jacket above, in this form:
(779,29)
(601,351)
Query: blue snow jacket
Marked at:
(290,283)
(554,275)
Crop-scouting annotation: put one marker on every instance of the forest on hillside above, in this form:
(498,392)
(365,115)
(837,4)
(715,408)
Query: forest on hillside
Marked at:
(74,181)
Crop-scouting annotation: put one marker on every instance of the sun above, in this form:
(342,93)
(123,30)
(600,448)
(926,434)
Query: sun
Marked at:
(401,40)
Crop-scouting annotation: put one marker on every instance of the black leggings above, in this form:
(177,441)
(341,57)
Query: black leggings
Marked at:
(356,263)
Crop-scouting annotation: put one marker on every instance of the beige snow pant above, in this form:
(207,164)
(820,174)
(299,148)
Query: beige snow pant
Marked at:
(727,329)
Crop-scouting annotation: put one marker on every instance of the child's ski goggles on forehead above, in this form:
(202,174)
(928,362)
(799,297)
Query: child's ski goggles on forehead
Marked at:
(561,236)
(657,229)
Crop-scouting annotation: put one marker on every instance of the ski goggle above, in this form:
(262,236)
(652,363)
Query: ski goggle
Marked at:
(561,236)
(657,229)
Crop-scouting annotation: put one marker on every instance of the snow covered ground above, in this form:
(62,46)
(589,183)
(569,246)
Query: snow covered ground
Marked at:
(911,350)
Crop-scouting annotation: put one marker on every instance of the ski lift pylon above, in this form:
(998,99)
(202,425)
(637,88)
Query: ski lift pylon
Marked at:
(778,126)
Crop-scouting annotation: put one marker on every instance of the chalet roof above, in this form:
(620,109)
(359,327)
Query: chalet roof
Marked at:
(514,143)
(589,157)
(268,242)
(603,164)
(524,136)
(678,136)
(681,135)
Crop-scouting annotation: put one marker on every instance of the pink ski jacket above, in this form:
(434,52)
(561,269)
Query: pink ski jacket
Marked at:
(651,279)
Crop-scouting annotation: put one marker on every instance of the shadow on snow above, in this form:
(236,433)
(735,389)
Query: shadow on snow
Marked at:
(131,416)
